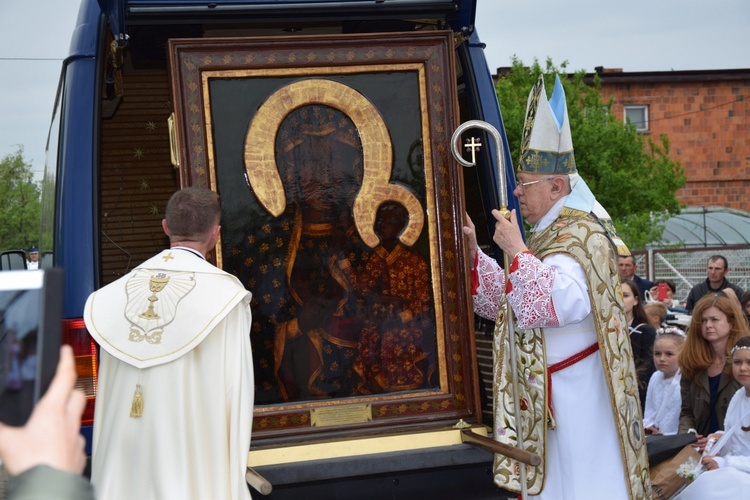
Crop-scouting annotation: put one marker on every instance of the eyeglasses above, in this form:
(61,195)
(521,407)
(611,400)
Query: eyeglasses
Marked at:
(523,185)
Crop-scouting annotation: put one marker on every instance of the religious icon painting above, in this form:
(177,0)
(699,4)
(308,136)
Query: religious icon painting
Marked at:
(342,214)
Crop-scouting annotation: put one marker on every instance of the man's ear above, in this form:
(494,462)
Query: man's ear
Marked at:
(558,187)
(164,226)
(214,235)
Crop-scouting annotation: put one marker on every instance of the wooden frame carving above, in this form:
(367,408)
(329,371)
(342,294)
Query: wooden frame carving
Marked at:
(290,131)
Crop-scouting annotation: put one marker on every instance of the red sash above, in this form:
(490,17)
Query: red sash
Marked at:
(561,365)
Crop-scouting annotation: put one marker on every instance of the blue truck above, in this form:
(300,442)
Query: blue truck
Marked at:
(161,94)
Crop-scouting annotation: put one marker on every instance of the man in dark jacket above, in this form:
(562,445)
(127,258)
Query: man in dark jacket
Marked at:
(716,281)
(626,268)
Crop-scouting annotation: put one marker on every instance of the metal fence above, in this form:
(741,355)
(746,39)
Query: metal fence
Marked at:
(686,267)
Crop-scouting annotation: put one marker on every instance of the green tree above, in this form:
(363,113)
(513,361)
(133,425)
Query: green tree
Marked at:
(19,203)
(630,173)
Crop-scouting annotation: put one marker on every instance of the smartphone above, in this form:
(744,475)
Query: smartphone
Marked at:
(663,292)
(30,328)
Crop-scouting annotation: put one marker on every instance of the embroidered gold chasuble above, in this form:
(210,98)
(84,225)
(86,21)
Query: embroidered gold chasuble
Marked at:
(581,237)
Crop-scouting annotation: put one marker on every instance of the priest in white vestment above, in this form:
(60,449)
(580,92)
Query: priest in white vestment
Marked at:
(579,405)
(174,404)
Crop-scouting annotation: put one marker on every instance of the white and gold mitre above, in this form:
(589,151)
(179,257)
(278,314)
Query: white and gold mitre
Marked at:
(546,144)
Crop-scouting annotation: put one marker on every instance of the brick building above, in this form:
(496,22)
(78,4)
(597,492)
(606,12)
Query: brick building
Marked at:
(705,114)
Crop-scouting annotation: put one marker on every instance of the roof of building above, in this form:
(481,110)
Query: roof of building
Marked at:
(617,75)
(708,227)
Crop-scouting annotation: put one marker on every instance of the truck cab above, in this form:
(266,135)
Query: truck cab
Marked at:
(326,128)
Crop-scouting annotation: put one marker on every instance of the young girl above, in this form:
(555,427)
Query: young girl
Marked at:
(727,464)
(663,401)
(642,336)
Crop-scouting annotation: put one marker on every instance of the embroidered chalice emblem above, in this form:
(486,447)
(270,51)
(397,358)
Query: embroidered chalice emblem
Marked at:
(153,296)
(156,285)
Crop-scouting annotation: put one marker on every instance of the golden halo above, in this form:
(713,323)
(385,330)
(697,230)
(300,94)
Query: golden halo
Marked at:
(377,152)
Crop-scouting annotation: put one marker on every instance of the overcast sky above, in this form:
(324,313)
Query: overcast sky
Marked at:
(34,39)
(637,35)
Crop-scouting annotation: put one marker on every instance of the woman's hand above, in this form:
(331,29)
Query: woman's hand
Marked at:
(715,436)
(700,444)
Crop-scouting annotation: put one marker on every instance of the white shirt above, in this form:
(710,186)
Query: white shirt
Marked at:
(663,403)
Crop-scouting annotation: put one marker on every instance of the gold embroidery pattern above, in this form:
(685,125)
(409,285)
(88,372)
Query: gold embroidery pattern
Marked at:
(153,296)
(152,337)
(156,285)
(586,241)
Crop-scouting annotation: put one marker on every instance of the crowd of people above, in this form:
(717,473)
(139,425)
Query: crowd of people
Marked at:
(701,382)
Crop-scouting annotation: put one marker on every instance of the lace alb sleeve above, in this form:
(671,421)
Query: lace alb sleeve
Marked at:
(530,291)
(491,280)
(548,293)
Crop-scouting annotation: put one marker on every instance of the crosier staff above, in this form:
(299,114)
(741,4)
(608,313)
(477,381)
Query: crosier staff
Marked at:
(502,184)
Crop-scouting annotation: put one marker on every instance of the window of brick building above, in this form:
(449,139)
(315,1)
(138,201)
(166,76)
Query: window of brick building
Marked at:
(638,116)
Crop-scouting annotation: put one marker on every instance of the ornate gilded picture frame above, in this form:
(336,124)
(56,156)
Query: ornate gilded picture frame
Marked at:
(342,214)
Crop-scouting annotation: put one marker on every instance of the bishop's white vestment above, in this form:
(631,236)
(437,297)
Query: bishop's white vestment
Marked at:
(174,404)
(583,450)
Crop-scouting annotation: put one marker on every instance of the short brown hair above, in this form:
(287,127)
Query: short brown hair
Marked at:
(715,258)
(656,308)
(192,212)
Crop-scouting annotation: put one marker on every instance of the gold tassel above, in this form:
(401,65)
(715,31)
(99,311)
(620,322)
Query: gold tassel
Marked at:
(116,51)
(136,407)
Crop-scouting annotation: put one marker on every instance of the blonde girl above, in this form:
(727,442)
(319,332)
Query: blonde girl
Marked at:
(663,401)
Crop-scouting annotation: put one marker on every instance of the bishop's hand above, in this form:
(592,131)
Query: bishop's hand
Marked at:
(507,234)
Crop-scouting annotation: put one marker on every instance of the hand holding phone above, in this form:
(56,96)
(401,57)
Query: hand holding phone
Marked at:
(52,434)
(663,293)
(31,303)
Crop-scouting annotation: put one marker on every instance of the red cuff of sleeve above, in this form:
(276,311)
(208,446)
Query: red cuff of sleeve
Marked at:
(475,275)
